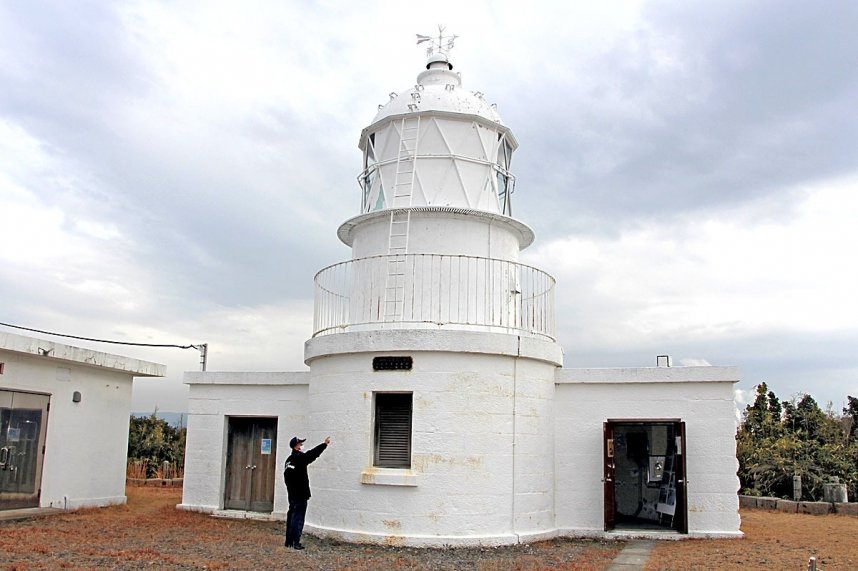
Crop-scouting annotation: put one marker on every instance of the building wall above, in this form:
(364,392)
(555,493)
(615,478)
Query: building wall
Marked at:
(700,396)
(449,233)
(87,442)
(533,476)
(482,458)
(216,396)
(505,447)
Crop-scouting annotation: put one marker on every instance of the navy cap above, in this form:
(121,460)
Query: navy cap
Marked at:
(295,440)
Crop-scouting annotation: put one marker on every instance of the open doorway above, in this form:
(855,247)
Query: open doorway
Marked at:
(645,485)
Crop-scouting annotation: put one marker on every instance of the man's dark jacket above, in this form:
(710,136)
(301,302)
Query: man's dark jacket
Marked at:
(295,472)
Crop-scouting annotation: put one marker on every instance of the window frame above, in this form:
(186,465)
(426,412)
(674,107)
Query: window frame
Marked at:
(383,456)
(369,174)
(505,181)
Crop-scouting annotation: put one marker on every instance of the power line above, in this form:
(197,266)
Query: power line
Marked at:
(97,340)
(202,347)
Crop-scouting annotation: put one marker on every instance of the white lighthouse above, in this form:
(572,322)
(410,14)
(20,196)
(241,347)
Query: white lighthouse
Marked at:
(433,366)
(433,357)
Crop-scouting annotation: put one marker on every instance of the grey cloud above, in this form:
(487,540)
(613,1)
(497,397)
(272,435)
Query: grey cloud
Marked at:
(229,233)
(762,100)
(703,106)
(70,61)
(821,364)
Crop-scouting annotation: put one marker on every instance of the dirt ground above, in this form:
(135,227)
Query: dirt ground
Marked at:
(150,533)
(773,540)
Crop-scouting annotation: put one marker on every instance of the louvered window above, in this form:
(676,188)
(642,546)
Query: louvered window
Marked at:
(393,430)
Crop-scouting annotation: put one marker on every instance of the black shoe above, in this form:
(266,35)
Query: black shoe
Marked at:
(298,546)
(289,544)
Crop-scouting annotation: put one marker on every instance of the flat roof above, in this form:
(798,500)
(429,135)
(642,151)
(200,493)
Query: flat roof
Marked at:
(620,375)
(53,351)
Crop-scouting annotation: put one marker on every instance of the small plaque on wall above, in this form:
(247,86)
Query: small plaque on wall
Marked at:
(392,363)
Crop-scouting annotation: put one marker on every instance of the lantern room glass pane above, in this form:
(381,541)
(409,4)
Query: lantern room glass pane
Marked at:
(379,203)
(503,195)
(367,182)
(369,155)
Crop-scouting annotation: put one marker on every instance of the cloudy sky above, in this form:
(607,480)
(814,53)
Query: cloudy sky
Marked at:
(175,173)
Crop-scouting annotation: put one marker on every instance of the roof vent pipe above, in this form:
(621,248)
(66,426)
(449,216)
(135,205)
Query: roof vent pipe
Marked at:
(662,361)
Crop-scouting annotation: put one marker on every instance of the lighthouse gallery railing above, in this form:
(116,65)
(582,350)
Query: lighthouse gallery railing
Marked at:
(434,291)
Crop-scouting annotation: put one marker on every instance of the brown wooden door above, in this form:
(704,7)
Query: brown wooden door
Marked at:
(23,422)
(608,475)
(251,464)
(680,517)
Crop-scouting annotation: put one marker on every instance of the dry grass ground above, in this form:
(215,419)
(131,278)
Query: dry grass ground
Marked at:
(150,533)
(773,540)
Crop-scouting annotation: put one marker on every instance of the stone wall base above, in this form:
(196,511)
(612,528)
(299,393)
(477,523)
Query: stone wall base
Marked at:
(155,482)
(789,506)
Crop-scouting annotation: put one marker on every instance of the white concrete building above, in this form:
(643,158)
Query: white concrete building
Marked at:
(64,415)
(434,368)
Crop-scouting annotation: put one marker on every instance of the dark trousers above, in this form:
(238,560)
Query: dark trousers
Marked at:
(295,521)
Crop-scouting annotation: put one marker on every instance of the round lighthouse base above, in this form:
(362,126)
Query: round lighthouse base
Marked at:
(429,541)
(454,448)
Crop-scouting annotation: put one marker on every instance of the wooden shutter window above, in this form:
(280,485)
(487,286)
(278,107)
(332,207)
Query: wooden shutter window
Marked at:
(393,430)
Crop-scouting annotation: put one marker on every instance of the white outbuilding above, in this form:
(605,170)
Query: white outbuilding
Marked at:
(434,367)
(64,415)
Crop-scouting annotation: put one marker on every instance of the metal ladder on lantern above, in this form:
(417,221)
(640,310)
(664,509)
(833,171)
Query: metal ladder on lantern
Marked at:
(400,220)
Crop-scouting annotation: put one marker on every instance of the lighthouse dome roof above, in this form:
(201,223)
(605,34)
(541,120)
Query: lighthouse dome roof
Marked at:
(439,89)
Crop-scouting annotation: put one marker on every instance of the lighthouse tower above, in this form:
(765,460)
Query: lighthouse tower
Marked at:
(433,366)
(433,358)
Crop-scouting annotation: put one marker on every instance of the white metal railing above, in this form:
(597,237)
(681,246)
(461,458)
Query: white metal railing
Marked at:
(438,291)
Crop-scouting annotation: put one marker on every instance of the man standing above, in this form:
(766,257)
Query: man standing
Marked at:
(298,486)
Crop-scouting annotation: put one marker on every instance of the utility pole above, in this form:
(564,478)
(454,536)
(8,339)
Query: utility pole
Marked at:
(203,348)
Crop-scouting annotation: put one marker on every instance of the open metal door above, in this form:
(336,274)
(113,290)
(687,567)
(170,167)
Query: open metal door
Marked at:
(23,421)
(608,475)
(681,514)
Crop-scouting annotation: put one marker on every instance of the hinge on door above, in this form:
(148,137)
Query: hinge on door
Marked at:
(49,407)
(43,449)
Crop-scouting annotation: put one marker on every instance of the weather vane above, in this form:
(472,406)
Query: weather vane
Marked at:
(442,44)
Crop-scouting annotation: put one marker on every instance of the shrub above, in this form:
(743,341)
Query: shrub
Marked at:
(778,441)
(152,441)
